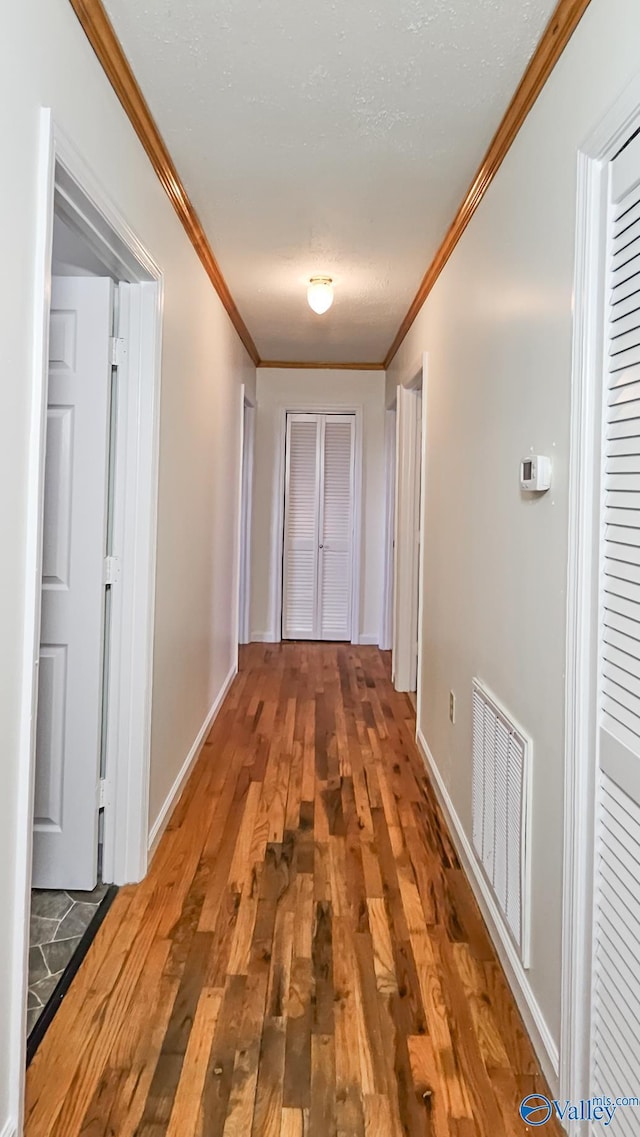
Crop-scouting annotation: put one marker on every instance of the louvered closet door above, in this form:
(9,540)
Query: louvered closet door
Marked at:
(336,528)
(318,537)
(302,500)
(616,993)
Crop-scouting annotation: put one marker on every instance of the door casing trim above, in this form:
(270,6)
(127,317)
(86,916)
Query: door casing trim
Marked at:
(277,514)
(66,182)
(594,155)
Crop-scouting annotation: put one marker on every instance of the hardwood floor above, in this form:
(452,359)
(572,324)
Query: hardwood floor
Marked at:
(305,958)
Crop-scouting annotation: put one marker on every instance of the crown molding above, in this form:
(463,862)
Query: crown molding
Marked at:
(105,43)
(555,38)
(102,37)
(327,366)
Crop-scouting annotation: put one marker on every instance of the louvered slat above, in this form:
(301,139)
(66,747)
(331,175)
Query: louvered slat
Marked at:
(500,808)
(616,1031)
(621,474)
(336,528)
(301,529)
(477,804)
(318,527)
(501,818)
(516,806)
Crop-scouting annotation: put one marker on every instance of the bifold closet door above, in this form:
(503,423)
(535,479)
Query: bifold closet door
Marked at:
(615,1022)
(318,536)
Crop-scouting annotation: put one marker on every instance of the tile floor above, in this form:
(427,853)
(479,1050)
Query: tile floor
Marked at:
(58,921)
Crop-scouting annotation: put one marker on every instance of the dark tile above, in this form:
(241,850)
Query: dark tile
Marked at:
(32,1017)
(33,1001)
(75,922)
(49,903)
(37,966)
(95,897)
(58,953)
(41,930)
(45,988)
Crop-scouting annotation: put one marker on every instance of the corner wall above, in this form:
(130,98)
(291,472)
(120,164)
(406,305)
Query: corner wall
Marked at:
(297,389)
(45,60)
(498,329)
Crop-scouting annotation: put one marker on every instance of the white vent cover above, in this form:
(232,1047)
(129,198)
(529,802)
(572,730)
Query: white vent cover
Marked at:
(501,802)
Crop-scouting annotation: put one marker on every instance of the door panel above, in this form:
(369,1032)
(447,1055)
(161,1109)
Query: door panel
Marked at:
(72,623)
(300,569)
(407,539)
(336,528)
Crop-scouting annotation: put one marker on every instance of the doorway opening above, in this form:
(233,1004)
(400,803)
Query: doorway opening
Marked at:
(91,525)
(84,375)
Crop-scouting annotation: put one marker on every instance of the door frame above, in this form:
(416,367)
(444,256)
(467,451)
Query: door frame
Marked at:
(277,513)
(386,615)
(247,450)
(407,586)
(67,185)
(583,575)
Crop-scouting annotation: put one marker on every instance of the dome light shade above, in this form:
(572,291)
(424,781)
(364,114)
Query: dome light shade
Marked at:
(320,294)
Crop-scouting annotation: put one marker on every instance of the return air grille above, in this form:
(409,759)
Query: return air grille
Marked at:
(501,802)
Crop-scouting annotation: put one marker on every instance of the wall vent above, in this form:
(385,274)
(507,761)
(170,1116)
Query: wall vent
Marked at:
(501,806)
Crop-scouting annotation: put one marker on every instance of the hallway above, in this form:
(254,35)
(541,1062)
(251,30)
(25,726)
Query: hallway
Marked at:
(305,955)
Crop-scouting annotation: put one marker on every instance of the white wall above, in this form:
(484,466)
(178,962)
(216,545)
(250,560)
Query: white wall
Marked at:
(294,389)
(45,59)
(498,328)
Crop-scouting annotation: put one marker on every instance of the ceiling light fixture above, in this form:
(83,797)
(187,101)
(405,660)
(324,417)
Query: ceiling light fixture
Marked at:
(320,294)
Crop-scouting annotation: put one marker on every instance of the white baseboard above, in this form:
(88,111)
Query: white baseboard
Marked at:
(263,638)
(9,1129)
(368,639)
(162,820)
(543,1041)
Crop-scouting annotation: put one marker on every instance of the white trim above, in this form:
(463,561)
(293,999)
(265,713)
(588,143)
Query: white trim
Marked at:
(9,1129)
(422,522)
(246,516)
(368,638)
(171,801)
(541,1037)
(386,615)
(407,553)
(128,757)
(31,645)
(263,638)
(277,517)
(64,177)
(598,150)
(237,573)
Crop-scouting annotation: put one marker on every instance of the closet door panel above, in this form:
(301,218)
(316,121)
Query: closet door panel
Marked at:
(300,568)
(336,528)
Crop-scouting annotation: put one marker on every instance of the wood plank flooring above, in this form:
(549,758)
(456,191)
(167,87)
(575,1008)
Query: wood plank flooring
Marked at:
(305,957)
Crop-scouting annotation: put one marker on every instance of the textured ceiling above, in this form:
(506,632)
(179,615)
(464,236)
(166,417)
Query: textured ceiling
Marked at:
(329,138)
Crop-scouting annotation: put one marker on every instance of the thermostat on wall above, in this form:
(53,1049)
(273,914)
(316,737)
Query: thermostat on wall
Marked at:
(535,473)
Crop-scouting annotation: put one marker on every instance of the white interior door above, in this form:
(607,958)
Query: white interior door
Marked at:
(318,532)
(615,1032)
(407,539)
(69,722)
